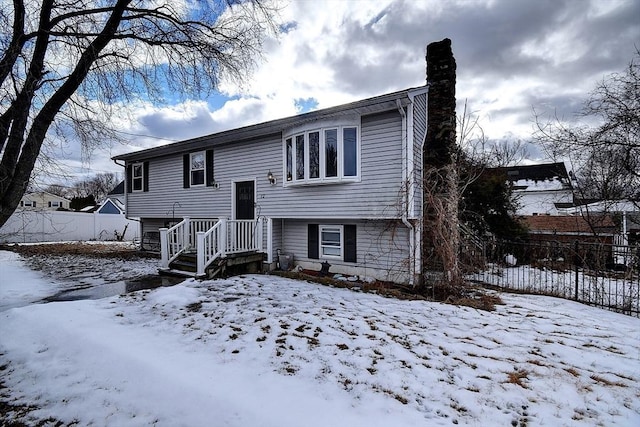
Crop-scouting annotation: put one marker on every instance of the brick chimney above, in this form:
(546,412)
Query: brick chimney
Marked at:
(440,181)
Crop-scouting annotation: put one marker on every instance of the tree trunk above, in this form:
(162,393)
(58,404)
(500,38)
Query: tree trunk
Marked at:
(21,152)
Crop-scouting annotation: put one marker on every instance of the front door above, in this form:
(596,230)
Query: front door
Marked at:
(245,200)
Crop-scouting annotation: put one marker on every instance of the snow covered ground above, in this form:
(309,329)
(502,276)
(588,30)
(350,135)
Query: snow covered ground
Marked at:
(620,292)
(260,350)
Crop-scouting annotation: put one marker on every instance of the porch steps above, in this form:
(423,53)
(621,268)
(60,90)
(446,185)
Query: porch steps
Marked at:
(246,262)
(185,262)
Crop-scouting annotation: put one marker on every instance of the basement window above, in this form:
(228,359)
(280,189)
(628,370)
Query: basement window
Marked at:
(331,241)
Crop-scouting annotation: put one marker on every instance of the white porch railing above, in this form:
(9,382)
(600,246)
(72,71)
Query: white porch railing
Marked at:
(211,238)
(210,244)
(244,236)
(173,241)
(198,225)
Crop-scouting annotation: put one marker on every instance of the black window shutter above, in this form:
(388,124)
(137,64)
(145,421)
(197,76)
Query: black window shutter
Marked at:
(350,249)
(49,204)
(313,246)
(129,178)
(145,176)
(186,171)
(209,168)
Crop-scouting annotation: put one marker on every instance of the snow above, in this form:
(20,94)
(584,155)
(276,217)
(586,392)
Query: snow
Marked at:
(20,286)
(261,350)
(540,185)
(618,291)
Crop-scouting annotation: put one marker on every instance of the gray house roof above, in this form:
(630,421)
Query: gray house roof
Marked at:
(363,107)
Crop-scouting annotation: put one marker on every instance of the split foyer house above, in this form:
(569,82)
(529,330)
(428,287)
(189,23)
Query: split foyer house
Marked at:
(339,185)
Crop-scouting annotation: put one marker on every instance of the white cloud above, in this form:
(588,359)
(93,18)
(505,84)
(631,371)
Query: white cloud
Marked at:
(512,56)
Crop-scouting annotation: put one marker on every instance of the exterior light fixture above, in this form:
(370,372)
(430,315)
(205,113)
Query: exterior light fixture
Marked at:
(272,179)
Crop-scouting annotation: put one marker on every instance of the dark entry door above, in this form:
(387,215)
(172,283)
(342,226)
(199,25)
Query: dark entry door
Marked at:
(245,200)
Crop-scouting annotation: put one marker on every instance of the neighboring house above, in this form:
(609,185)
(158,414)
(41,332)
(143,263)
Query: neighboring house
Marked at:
(541,189)
(117,193)
(339,185)
(108,206)
(111,206)
(626,214)
(43,201)
(570,228)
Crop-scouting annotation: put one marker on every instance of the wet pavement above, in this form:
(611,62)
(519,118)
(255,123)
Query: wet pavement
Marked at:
(104,290)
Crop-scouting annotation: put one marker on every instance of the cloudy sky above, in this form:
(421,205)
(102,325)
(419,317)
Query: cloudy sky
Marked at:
(512,56)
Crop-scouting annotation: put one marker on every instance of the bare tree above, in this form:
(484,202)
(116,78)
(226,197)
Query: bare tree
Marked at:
(98,186)
(63,65)
(57,189)
(604,143)
(487,204)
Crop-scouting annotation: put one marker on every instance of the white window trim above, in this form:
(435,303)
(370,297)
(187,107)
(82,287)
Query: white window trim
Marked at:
(322,179)
(134,177)
(204,169)
(331,227)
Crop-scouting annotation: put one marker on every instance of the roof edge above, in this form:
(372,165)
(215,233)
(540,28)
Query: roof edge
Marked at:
(271,127)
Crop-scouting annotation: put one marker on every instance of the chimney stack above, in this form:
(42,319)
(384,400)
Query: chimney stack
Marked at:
(441,235)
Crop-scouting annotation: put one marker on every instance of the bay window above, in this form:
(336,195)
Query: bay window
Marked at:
(322,156)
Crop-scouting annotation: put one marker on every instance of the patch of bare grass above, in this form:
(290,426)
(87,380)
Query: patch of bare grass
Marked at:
(194,307)
(605,381)
(80,248)
(516,377)
(572,371)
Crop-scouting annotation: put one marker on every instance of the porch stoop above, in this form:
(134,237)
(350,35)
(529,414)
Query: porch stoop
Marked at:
(209,248)
(185,265)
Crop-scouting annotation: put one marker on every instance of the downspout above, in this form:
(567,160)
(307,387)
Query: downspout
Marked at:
(126,197)
(404,184)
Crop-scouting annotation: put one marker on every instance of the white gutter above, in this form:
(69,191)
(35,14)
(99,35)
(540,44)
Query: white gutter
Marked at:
(405,195)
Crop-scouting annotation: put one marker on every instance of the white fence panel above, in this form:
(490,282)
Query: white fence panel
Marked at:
(27,226)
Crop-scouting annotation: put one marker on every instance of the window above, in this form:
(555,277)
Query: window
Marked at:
(331,152)
(331,242)
(299,157)
(322,155)
(289,154)
(137,176)
(28,204)
(350,151)
(335,241)
(55,204)
(197,168)
(314,155)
